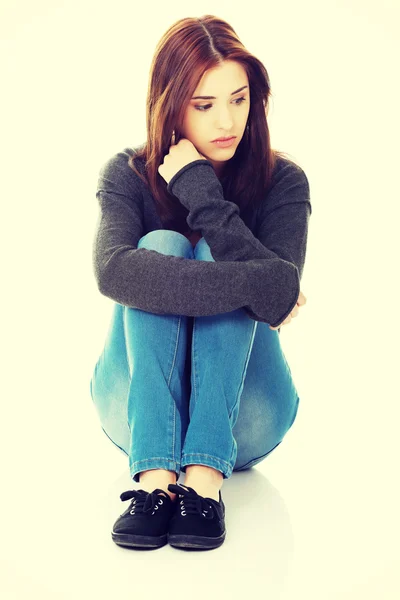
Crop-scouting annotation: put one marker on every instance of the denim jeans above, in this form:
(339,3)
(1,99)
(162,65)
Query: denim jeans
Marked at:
(172,390)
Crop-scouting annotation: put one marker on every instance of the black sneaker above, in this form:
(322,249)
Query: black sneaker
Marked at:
(197,522)
(144,524)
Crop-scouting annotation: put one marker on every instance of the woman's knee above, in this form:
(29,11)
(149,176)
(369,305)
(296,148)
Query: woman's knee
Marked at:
(167,242)
(203,251)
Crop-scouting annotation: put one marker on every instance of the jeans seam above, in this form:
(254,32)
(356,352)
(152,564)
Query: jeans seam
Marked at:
(169,381)
(246,363)
(194,370)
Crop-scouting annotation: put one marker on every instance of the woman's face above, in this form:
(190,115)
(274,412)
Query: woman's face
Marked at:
(223,115)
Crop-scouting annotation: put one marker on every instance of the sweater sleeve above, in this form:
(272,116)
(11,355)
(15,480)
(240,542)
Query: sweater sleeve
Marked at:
(282,230)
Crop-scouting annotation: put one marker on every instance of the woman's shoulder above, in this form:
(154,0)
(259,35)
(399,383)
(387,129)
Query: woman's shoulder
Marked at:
(117,166)
(286,167)
(287,174)
(289,184)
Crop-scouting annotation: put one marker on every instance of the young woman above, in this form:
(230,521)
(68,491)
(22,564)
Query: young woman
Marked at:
(201,246)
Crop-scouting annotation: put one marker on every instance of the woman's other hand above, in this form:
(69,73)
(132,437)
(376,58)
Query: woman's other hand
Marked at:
(300,302)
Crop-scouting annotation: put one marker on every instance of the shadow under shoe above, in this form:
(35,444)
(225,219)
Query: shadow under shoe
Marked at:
(197,522)
(145,522)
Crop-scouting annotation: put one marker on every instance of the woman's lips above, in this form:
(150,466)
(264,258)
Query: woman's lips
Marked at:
(224,143)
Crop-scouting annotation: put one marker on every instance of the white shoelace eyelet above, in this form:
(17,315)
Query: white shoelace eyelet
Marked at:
(156,507)
(132,512)
(183,513)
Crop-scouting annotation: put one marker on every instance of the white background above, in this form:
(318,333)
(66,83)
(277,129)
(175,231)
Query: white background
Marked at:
(319,517)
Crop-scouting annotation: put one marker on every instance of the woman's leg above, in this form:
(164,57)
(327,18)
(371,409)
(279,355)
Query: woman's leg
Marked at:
(221,347)
(269,401)
(110,382)
(259,416)
(141,385)
(243,399)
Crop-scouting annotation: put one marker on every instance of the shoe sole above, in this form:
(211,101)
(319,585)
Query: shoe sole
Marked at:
(180,540)
(139,541)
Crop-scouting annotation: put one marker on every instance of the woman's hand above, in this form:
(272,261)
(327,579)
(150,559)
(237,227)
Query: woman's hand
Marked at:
(300,302)
(179,155)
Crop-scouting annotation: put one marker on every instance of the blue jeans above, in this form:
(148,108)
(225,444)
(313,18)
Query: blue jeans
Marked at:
(172,390)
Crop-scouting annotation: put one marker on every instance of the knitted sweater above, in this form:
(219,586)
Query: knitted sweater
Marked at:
(257,267)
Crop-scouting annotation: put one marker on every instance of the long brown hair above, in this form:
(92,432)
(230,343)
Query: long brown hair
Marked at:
(185,51)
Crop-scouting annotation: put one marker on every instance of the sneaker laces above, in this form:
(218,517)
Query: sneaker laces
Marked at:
(192,502)
(144,502)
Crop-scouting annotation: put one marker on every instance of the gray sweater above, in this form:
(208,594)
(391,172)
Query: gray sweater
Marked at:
(257,268)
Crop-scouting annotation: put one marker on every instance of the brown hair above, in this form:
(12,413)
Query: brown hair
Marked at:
(185,51)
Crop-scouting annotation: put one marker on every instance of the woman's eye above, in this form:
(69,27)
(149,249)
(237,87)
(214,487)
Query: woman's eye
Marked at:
(238,102)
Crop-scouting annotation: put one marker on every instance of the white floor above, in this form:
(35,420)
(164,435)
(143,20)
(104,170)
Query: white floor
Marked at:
(319,518)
